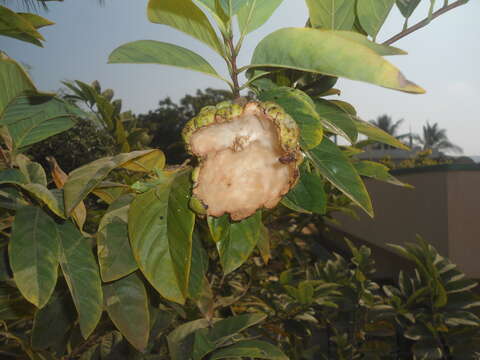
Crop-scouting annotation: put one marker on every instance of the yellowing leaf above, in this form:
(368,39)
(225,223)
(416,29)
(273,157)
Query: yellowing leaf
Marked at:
(329,53)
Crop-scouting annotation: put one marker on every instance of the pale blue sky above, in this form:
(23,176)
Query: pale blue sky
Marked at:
(443,58)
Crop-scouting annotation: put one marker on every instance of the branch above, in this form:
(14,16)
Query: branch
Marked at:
(425,21)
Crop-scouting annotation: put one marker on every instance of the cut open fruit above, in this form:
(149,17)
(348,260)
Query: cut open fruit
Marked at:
(248,158)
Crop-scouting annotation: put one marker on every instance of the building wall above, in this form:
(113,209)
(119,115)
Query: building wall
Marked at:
(443,208)
(464,220)
(402,213)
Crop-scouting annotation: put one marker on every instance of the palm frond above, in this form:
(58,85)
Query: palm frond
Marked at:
(435,138)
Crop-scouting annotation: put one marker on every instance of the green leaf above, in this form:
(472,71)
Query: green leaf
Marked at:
(332,14)
(256,13)
(417,296)
(185,16)
(19,27)
(157,52)
(441,298)
(11,198)
(302,109)
(31,119)
(46,196)
(154,160)
(14,81)
(115,255)
(214,7)
(180,340)
(233,7)
(407,7)
(33,171)
(83,180)
(33,254)
(126,302)
(326,52)
(80,270)
(377,171)
(238,241)
(250,348)
(263,244)
(221,332)
(336,120)
(372,14)
(376,134)
(380,49)
(427,349)
(110,191)
(460,286)
(36,20)
(219,227)
(160,227)
(38,191)
(199,268)
(308,196)
(228,7)
(12,176)
(336,167)
(456,318)
(52,322)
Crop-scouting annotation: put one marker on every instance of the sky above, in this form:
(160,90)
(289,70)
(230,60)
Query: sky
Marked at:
(443,58)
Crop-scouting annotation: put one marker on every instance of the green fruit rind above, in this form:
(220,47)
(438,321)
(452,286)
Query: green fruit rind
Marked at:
(214,196)
(195,175)
(287,128)
(197,205)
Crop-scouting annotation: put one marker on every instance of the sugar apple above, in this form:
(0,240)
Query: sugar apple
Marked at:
(248,157)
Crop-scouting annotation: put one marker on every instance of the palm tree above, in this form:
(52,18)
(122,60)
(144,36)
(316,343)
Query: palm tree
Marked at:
(385,123)
(434,138)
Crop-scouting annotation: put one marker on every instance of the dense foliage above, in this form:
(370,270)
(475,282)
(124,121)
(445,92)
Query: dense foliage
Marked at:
(110,262)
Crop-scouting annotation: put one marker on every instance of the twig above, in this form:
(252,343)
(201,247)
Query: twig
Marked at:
(234,69)
(424,22)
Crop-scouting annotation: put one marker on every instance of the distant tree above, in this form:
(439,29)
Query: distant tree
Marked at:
(80,145)
(386,123)
(434,138)
(166,122)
